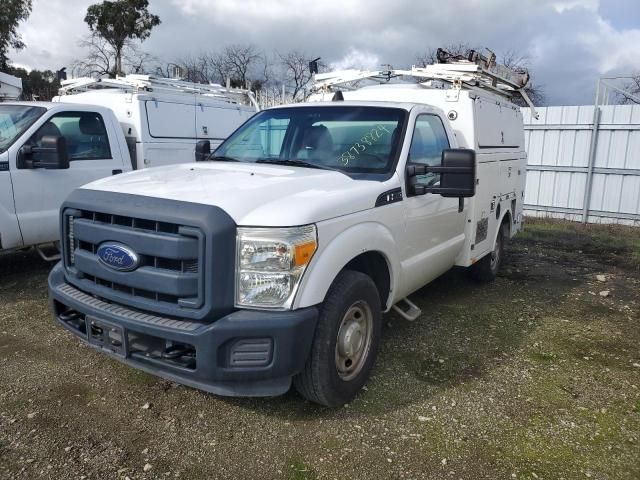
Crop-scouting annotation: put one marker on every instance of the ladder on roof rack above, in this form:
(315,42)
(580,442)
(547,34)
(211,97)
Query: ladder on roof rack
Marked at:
(474,71)
(148,83)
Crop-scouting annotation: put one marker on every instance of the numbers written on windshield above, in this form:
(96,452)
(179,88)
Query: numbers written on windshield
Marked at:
(370,138)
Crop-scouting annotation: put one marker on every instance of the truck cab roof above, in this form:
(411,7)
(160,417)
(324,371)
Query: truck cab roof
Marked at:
(56,106)
(373,102)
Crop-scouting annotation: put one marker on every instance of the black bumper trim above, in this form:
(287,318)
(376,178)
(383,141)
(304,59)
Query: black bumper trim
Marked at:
(65,289)
(291,333)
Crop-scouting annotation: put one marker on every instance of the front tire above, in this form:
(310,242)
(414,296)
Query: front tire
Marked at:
(345,344)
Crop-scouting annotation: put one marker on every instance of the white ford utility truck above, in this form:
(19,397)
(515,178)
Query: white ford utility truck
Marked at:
(99,128)
(273,261)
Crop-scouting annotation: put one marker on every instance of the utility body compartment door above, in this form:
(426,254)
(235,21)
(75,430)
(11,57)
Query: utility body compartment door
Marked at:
(216,123)
(497,125)
(172,128)
(434,227)
(171,119)
(94,152)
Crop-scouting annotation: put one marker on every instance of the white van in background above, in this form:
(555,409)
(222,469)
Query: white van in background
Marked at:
(162,119)
(10,87)
(99,128)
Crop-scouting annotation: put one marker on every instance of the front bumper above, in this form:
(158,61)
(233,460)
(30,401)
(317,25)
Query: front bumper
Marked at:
(245,353)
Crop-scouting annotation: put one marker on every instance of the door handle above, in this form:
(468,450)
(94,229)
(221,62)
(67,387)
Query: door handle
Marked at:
(116,172)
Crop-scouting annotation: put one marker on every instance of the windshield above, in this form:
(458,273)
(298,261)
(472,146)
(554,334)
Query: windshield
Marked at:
(14,120)
(351,139)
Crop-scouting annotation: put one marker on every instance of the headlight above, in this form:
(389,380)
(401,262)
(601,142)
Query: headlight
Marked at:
(270,263)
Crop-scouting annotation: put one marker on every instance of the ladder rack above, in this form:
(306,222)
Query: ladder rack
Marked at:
(475,71)
(148,83)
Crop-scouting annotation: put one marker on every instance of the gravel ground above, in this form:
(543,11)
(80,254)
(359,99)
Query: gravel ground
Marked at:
(534,376)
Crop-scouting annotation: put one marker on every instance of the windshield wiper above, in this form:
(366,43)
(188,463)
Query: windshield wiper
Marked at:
(295,163)
(219,158)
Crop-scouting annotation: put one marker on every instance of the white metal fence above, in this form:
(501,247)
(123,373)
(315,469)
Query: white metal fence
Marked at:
(584,166)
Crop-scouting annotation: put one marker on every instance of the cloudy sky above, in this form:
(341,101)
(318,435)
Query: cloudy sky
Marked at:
(569,42)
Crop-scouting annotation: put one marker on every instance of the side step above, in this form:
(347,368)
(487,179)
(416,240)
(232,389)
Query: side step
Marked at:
(47,257)
(411,312)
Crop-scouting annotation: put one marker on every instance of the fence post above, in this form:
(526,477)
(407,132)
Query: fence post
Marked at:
(592,155)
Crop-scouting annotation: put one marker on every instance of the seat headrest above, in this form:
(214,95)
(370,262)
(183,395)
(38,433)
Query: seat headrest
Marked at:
(317,137)
(90,125)
(49,129)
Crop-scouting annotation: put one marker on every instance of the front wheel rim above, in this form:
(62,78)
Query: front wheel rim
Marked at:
(353,341)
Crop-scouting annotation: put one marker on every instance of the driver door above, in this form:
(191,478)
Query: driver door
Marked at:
(434,227)
(39,193)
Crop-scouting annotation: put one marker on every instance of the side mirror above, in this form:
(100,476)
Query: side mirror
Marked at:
(457,175)
(203,150)
(52,155)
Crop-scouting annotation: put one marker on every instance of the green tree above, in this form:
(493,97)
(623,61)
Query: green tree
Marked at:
(12,12)
(37,84)
(119,22)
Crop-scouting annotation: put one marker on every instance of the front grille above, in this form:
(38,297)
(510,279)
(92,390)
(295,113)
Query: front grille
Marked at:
(169,275)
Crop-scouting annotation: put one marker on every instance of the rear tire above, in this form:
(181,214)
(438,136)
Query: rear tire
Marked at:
(486,269)
(345,343)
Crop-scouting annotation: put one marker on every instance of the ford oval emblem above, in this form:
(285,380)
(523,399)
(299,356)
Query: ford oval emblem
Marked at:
(118,257)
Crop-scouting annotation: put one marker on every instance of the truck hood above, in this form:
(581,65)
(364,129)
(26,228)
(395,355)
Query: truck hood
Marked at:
(252,194)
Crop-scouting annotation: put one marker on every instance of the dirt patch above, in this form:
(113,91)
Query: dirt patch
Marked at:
(534,376)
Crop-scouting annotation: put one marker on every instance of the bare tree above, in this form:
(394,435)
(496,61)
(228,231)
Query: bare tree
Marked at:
(136,60)
(240,65)
(521,63)
(191,68)
(633,88)
(100,59)
(238,60)
(296,71)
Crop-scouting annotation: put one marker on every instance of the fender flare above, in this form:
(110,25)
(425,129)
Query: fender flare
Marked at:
(331,259)
(507,211)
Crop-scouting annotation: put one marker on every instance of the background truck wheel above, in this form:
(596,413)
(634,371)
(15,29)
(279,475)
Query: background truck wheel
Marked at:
(345,344)
(487,268)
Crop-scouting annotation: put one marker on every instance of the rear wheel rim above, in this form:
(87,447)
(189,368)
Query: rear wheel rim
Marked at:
(353,341)
(496,255)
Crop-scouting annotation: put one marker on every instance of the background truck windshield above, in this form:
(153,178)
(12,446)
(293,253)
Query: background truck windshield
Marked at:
(14,120)
(347,138)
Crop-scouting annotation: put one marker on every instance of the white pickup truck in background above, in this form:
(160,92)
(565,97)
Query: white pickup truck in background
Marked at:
(99,128)
(273,262)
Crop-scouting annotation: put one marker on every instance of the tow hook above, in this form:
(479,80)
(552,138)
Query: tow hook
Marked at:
(176,351)
(69,315)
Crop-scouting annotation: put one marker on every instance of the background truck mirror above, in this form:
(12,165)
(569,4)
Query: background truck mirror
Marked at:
(203,150)
(457,175)
(51,154)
